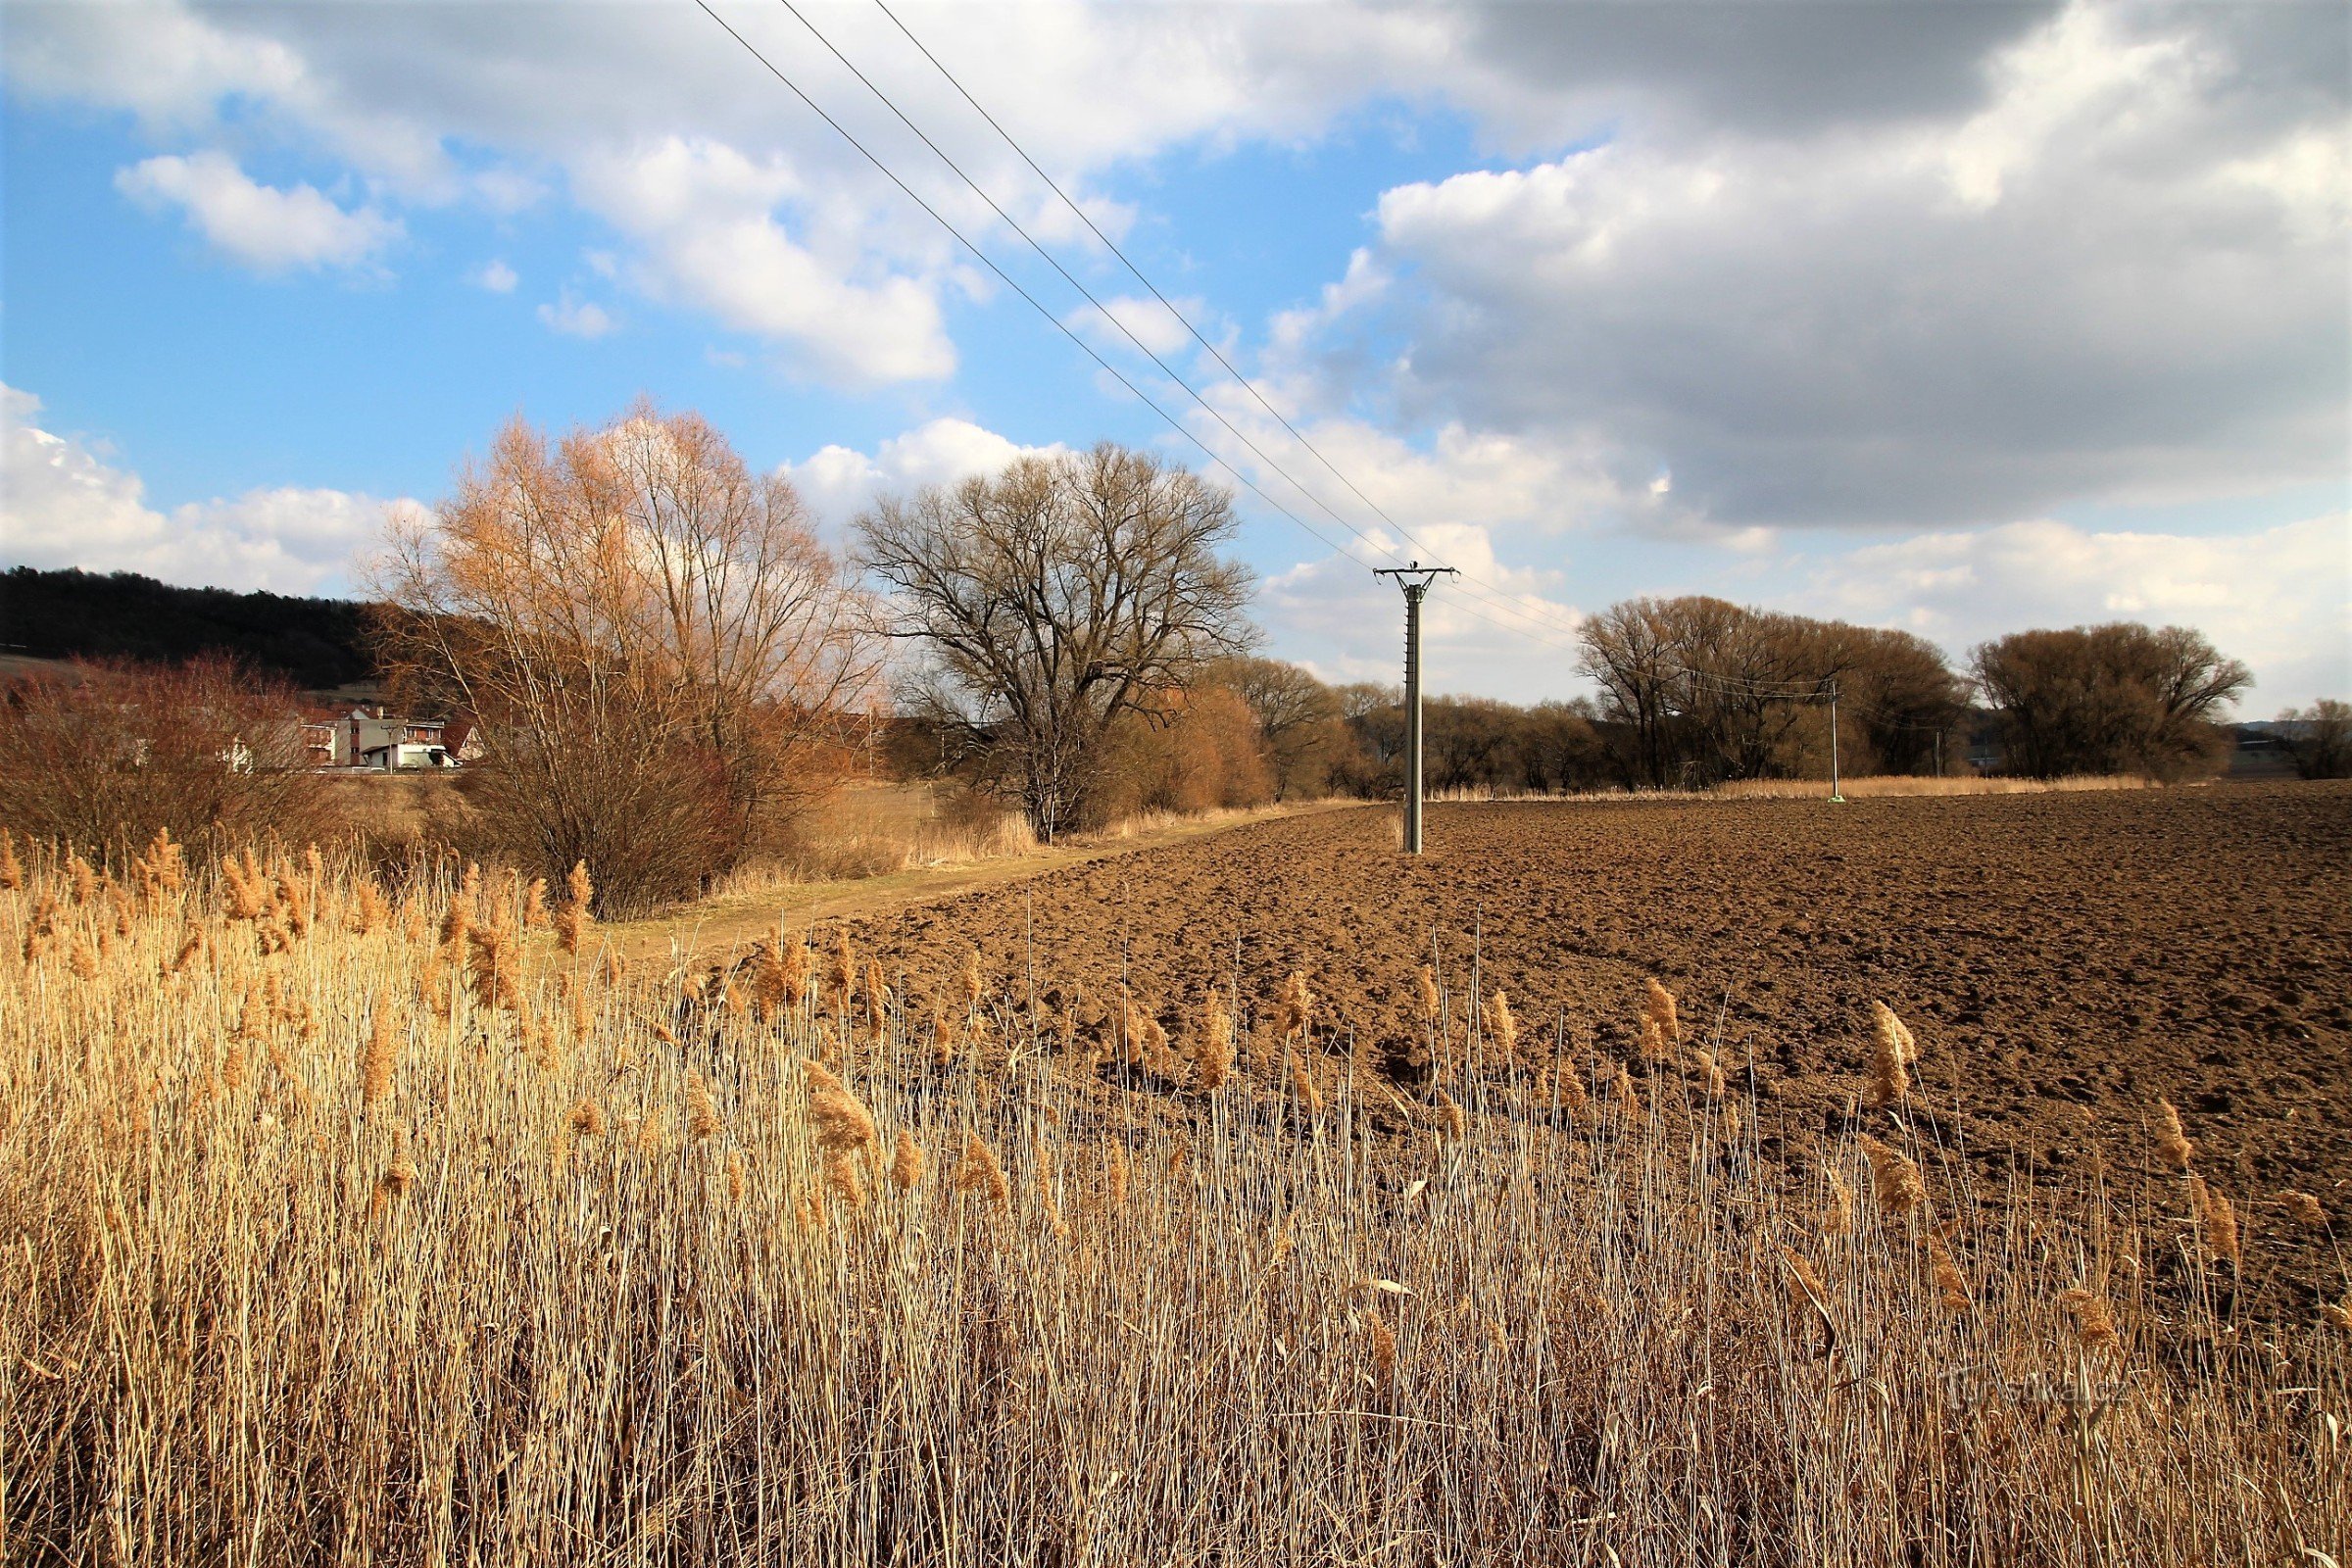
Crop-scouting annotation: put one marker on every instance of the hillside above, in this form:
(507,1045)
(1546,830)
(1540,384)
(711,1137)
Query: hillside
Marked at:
(313,643)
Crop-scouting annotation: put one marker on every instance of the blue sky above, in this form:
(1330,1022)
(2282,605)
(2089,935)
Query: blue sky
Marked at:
(1958,319)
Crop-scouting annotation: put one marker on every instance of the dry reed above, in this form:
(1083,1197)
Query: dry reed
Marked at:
(459,1306)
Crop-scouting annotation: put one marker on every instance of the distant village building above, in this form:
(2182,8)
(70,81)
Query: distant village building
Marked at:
(380,742)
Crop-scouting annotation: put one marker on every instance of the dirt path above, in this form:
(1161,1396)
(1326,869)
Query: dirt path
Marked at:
(718,924)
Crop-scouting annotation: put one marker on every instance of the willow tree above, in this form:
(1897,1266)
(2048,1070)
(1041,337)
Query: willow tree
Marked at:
(1051,600)
(658,651)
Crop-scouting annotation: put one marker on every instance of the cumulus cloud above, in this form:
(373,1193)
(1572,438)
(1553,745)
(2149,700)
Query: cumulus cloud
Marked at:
(2279,597)
(838,482)
(264,227)
(576,317)
(496,276)
(2115,277)
(66,505)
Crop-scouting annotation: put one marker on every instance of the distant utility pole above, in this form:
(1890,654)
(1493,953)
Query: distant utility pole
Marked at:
(1414,580)
(1835,792)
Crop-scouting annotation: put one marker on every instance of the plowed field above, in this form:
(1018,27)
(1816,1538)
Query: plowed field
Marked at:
(2064,960)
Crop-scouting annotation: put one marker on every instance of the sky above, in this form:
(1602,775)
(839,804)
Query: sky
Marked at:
(1955,317)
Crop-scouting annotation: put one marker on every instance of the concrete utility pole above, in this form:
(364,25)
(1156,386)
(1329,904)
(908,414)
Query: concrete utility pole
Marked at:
(1414,580)
(1835,792)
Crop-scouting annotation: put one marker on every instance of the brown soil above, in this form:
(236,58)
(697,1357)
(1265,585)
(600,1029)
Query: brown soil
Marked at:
(2064,960)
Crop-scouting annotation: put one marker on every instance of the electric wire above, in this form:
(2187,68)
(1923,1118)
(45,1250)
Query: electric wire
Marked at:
(1533,623)
(1492,594)
(1010,282)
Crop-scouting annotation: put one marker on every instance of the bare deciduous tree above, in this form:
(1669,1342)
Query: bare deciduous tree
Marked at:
(2320,738)
(2120,697)
(1052,600)
(657,648)
(99,755)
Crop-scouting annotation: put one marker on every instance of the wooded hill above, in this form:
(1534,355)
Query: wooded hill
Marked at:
(313,643)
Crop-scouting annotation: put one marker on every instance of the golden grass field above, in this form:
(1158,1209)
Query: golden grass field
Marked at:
(358,1224)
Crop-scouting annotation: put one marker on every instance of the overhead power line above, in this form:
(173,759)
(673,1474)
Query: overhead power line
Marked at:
(1491,594)
(1010,282)
(1531,620)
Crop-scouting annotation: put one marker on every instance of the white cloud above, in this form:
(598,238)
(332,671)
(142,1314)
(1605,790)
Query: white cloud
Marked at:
(2119,277)
(838,482)
(1147,320)
(64,504)
(266,229)
(2280,599)
(704,214)
(576,317)
(496,276)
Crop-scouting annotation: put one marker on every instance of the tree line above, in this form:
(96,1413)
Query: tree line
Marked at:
(666,666)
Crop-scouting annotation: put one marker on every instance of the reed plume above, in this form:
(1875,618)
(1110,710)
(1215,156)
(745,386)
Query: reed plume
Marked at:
(2217,1217)
(84,880)
(2337,1314)
(907,1164)
(1889,1058)
(1710,1073)
(1212,1062)
(1428,979)
(377,1062)
(1384,1353)
(1628,1097)
(844,1184)
(979,1172)
(2094,1320)
(2173,1148)
(943,1036)
(571,916)
(771,981)
(245,891)
(1501,1027)
(1661,1029)
(367,910)
(1451,1117)
(975,985)
(293,904)
(1115,1175)
(840,980)
(399,1175)
(587,1118)
(1302,1085)
(2304,1208)
(877,1002)
(12,872)
(1805,1286)
(1952,1286)
(1293,1007)
(535,904)
(842,1121)
(1839,1218)
(1896,1177)
(702,1120)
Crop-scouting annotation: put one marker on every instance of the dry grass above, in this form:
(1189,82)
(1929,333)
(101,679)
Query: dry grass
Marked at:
(863,830)
(1892,785)
(321,1247)
(1905,785)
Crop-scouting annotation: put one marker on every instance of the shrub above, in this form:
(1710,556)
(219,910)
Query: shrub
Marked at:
(103,754)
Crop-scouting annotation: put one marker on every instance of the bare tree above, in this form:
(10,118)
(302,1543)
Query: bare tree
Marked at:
(2120,697)
(98,756)
(1052,599)
(1297,718)
(2319,738)
(658,650)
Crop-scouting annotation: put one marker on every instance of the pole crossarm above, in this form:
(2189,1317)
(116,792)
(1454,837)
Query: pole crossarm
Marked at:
(1416,570)
(1414,579)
